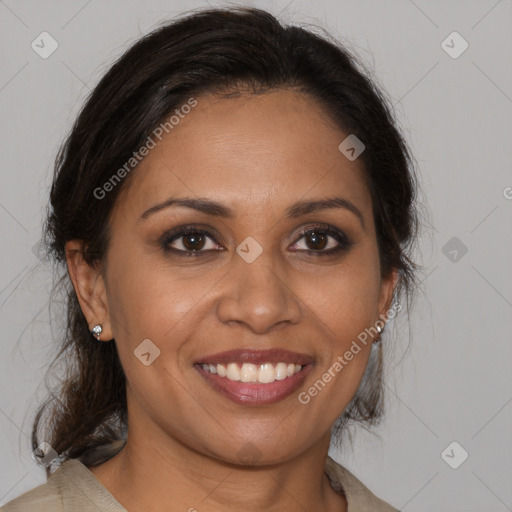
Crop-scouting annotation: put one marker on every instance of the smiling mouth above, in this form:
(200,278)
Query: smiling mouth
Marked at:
(255,377)
(265,373)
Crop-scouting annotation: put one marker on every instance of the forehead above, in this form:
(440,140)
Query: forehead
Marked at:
(249,152)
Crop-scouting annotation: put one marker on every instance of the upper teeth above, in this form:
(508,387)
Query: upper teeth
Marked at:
(263,373)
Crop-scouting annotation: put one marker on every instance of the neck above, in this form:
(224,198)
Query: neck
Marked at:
(156,472)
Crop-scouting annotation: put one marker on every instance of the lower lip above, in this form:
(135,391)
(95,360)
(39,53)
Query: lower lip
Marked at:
(254,393)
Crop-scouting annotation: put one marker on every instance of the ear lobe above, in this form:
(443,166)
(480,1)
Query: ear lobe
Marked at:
(89,286)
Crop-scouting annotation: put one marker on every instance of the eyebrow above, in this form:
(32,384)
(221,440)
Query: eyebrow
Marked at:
(215,209)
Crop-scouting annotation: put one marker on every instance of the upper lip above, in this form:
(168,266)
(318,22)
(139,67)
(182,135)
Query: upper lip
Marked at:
(246,355)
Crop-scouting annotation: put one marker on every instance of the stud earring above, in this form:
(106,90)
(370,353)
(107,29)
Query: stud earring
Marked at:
(380,330)
(96,331)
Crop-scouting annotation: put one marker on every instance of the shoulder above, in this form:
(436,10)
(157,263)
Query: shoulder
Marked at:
(46,497)
(359,497)
(71,488)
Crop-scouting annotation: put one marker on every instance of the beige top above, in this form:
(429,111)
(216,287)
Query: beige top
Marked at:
(73,488)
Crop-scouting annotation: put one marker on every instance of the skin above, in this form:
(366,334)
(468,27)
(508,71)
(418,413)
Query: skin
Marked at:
(257,154)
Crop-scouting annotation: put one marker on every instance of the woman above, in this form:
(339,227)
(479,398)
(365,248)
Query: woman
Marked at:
(235,210)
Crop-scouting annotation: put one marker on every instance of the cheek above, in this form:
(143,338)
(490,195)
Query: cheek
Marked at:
(344,305)
(147,299)
(149,315)
(344,300)
(152,301)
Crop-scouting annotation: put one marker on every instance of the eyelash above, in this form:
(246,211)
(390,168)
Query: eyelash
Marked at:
(171,236)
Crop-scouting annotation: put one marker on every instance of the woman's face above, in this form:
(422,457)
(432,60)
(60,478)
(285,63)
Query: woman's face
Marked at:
(243,283)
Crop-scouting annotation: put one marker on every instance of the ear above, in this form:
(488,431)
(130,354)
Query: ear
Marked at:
(387,288)
(90,288)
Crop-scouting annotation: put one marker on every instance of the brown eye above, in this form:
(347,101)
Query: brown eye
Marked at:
(324,240)
(193,241)
(316,240)
(189,241)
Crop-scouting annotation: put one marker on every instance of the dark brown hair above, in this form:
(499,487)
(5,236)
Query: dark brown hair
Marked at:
(208,51)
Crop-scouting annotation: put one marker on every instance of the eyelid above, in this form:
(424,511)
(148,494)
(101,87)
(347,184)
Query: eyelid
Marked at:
(188,228)
(343,241)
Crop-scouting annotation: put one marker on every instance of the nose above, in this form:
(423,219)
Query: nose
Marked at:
(257,295)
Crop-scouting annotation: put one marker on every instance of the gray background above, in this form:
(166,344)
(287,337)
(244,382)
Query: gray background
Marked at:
(453,383)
